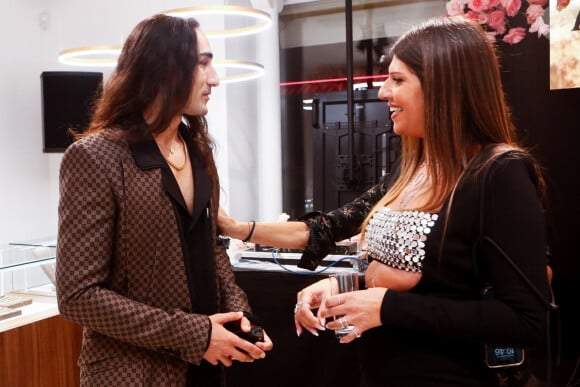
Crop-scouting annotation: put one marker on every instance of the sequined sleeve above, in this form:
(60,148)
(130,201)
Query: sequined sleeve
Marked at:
(344,222)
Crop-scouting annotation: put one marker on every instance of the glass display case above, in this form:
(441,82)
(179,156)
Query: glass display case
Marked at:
(28,267)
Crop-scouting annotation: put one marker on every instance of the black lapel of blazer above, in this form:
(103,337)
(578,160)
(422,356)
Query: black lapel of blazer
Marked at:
(147,156)
(203,185)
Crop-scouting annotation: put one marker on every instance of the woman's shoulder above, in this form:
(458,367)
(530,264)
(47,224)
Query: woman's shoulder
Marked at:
(497,157)
(503,162)
(499,152)
(508,159)
(506,167)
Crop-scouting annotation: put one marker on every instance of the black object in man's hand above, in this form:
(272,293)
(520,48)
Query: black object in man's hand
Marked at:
(255,334)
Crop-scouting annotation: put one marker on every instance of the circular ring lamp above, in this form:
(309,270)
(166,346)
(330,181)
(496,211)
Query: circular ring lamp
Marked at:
(261,20)
(237,70)
(90,56)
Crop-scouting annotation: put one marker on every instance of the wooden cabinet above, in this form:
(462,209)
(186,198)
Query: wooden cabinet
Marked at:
(41,354)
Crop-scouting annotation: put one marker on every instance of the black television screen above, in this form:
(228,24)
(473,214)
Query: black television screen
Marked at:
(67,99)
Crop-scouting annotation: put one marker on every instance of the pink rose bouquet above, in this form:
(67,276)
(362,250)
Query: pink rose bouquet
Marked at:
(498,17)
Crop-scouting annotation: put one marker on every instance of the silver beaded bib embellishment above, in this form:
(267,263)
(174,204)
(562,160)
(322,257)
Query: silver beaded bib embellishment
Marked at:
(397,238)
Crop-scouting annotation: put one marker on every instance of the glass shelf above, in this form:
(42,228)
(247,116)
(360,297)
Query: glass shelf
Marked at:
(27,265)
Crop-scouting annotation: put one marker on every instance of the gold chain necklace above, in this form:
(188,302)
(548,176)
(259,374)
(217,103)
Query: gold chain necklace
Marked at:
(171,152)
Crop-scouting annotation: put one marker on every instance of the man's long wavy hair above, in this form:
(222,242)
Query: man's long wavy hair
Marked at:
(465,106)
(157,64)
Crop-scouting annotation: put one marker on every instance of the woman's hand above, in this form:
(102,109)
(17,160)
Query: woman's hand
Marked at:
(307,299)
(360,309)
(225,347)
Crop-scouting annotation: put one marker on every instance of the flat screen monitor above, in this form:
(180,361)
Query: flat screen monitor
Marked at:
(67,100)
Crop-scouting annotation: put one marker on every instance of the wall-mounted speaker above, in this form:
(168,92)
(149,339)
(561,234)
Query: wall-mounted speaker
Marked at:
(67,100)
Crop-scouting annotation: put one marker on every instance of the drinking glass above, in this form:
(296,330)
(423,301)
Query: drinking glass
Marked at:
(347,281)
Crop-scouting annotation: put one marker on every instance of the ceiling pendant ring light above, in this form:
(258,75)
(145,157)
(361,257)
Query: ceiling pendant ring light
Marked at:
(107,56)
(254,70)
(90,56)
(261,19)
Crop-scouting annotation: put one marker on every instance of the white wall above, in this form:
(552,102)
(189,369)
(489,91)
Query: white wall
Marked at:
(29,177)
(244,118)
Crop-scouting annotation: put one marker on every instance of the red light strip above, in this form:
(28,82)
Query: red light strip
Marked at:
(359,78)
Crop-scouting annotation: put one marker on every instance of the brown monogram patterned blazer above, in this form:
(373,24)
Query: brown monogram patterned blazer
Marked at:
(120,267)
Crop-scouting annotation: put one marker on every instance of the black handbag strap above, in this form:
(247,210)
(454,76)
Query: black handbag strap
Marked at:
(551,306)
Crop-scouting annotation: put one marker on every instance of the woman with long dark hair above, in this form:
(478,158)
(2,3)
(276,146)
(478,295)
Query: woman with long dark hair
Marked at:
(465,197)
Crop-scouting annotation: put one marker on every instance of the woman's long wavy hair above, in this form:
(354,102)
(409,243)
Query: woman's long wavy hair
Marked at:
(465,106)
(156,65)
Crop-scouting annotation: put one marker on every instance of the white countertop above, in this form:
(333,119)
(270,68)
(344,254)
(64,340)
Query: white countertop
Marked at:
(42,307)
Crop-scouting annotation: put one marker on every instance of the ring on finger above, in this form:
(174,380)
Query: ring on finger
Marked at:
(343,322)
(356,332)
(339,300)
(297,306)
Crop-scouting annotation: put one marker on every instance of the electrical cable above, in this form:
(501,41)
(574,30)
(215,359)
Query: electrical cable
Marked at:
(361,262)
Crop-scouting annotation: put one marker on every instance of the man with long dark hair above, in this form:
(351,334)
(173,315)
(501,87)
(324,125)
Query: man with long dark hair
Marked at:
(139,262)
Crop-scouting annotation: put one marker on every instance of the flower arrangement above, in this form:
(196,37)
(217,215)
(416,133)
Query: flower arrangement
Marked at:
(496,17)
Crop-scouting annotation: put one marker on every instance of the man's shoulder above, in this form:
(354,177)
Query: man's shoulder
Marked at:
(99,146)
